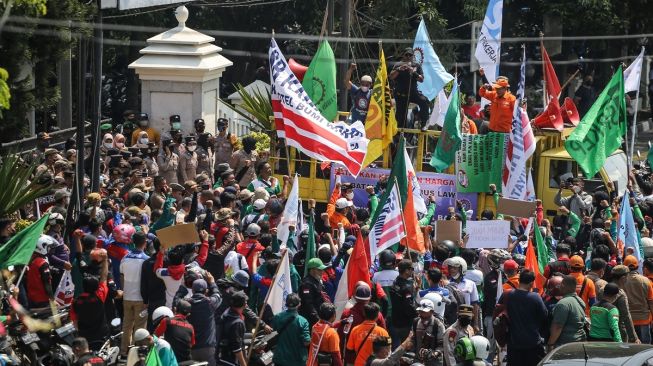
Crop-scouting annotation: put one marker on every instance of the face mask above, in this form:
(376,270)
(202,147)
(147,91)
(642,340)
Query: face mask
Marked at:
(350,196)
(464,321)
(176,126)
(191,148)
(143,141)
(576,189)
(120,145)
(365,89)
(143,123)
(108,145)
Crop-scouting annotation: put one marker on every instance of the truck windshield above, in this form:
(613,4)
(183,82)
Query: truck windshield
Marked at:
(617,169)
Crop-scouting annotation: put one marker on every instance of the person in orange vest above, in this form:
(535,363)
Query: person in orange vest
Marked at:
(503,103)
(584,286)
(511,269)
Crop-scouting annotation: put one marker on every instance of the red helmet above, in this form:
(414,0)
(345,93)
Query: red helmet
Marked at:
(123,233)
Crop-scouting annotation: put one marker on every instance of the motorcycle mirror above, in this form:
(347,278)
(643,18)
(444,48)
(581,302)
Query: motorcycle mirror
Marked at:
(115,322)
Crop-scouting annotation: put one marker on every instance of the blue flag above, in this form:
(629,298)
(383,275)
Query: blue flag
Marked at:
(627,229)
(435,75)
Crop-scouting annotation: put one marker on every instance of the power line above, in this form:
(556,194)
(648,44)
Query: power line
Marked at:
(308,37)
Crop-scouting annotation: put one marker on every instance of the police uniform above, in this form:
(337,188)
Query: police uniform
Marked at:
(187,166)
(203,161)
(223,148)
(451,337)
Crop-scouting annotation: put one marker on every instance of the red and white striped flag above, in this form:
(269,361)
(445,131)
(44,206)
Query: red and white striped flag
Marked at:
(298,120)
(389,228)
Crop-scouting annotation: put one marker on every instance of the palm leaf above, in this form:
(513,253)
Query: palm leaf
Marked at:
(256,108)
(18,189)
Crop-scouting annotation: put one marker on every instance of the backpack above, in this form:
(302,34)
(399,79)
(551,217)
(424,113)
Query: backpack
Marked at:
(451,308)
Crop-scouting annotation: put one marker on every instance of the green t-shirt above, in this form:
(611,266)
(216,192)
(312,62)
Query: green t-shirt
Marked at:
(605,321)
(570,314)
(273,190)
(291,347)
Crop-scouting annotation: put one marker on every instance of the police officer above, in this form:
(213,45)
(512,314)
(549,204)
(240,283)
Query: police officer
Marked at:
(204,148)
(311,291)
(461,328)
(223,145)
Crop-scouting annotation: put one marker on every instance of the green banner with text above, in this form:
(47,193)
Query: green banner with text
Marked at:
(480,161)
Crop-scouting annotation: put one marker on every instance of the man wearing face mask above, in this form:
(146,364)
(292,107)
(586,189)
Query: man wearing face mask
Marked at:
(175,129)
(204,148)
(168,162)
(461,328)
(188,160)
(243,162)
(223,146)
(580,202)
(406,74)
(360,96)
(144,126)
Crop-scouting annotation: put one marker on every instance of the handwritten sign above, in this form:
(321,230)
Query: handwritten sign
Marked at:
(488,234)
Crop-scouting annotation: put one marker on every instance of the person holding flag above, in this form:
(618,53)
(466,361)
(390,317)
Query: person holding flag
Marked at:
(406,74)
(503,103)
(360,95)
(293,335)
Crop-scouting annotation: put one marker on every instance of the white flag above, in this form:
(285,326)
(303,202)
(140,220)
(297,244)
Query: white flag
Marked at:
(281,286)
(530,187)
(65,291)
(439,109)
(633,74)
(389,228)
(418,200)
(488,48)
(289,216)
(342,292)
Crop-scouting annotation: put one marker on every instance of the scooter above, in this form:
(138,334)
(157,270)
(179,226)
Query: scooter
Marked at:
(110,350)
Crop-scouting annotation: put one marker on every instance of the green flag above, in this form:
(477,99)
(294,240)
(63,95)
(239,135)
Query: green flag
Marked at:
(310,245)
(153,358)
(18,250)
(600,131)
(450,137)
(649,156)
(540,248)
(320,81)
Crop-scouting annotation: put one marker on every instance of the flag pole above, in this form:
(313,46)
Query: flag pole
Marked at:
(265,302)
(544,94)
(634,127)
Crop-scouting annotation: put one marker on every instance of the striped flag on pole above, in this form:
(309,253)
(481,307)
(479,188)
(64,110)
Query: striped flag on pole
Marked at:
(298,120)
(389,228)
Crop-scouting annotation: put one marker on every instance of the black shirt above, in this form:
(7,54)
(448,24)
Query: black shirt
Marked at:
(402,297)
(231,337)
(407,78)
(528,315)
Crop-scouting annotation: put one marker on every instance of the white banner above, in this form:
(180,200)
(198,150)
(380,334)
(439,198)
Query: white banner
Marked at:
(633,74)
(289,216)
(488,234)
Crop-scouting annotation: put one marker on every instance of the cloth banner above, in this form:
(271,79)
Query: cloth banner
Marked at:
(480,162)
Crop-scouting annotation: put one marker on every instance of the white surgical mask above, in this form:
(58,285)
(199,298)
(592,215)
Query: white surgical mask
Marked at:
(176,125)
(365,89)
(108,145)
(191,148)
(350,196)
(143,141)
(143,123)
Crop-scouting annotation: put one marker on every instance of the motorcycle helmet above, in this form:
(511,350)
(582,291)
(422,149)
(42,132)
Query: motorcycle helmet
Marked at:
(56,218)
(123,233)
(496,257)
(387,259)
(438,303)
(44,244)
(190,275)
(481,347)
(464,350)
(475,276)
(160,312)
(450,245)
(457,262)
(520,259)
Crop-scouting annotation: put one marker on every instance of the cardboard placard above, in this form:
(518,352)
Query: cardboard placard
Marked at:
(516,208)
(488,234)
(448,230)
(178,234)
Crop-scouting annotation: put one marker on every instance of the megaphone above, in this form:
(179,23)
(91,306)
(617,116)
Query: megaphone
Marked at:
(569,112)
(551,117)
(298,69)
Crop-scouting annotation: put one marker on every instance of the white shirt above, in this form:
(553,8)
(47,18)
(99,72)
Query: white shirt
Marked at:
(385,278)
(234,262)
(172,285)
(468,290)
(130,268)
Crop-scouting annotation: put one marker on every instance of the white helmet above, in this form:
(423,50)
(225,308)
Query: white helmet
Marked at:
(44,244)
(160,312)
(438,303)
(481,347)
(475,276)
(457,262)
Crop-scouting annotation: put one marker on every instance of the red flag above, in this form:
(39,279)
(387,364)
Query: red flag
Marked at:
(532,265)
(358,269)
(550,78)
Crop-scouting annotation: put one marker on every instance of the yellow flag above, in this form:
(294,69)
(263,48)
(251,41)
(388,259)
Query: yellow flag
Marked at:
(380,123)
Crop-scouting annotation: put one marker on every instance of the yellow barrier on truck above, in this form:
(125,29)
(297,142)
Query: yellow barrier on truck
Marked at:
(550,164)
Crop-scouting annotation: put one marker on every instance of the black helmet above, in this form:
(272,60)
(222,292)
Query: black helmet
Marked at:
(496,257)
(387,259)
(520,259)
(451,246)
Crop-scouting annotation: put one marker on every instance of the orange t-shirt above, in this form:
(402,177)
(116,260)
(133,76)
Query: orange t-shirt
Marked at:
(511,284)
(588,292)
(649,297)
(326,338)
(357,337)
(501,109)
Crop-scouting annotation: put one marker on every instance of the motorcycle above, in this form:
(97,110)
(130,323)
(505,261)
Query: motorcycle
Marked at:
(261,346)
(110,349)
